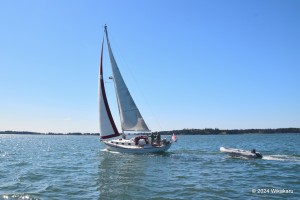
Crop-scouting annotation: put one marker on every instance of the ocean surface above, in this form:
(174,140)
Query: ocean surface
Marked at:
(79,167)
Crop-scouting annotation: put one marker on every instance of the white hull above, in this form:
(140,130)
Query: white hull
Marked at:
(135,149)
(240,152)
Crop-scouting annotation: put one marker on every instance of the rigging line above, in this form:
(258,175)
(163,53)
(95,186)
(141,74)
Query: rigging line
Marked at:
(135,80)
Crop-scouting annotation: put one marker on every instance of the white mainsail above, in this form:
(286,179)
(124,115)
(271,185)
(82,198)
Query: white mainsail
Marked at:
(131,118)
(108,128)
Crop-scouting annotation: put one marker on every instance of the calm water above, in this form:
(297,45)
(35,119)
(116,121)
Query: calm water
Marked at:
(77,167)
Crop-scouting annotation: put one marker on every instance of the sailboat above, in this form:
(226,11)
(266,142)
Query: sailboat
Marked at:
(130,116)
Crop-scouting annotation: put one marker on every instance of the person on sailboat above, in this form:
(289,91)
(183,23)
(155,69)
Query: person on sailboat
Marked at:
(158,139)
(152,136)
(124,136)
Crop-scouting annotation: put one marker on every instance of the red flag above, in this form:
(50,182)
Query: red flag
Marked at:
(174,137)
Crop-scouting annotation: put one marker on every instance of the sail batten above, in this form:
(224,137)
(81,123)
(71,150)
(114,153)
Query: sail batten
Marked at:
(131,118)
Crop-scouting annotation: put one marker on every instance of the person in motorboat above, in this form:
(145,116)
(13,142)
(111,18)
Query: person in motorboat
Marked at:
(257,154)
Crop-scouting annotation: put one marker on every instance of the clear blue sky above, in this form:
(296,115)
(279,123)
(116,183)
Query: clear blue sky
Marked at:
(188,64)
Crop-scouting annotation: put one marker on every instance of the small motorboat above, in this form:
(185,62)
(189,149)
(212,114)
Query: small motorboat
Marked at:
(241,152)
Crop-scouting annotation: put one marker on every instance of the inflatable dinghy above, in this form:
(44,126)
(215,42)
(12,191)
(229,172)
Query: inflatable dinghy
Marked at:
(240,152)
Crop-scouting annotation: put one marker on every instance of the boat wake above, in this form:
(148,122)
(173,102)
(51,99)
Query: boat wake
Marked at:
(106,150)
(282,158)
(18,196)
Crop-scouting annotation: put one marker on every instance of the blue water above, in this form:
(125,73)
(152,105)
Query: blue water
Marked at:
(79,167)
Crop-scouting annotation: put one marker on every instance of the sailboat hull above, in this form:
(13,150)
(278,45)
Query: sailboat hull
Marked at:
(136,149)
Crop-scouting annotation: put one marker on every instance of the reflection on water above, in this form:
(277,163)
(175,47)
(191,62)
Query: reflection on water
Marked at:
(124,176)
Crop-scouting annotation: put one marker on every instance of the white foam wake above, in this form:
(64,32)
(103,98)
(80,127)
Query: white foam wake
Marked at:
(106,150)
(281,158)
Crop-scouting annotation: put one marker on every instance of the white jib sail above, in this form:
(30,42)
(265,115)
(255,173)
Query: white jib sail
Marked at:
(131,118)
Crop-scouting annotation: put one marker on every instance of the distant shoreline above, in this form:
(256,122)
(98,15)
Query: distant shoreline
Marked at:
(210,131)
(50,133)
(207,131)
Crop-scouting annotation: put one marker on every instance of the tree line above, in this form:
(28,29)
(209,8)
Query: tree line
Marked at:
(206,131)
(210,131)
